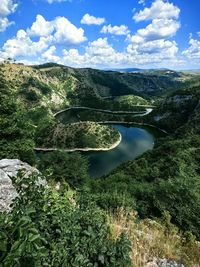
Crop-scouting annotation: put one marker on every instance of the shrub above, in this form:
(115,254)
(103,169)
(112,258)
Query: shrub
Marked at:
(45,228)
(72,167)
(112,201)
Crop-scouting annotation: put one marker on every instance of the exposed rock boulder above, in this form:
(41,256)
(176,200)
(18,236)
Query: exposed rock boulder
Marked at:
(163,263)
(9,168)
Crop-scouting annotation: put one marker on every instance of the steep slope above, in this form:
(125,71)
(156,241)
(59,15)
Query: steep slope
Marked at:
(177,109)
(106,83)
(56,86)
(168,177)
(35,88)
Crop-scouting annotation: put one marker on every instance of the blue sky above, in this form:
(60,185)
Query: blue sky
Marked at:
(102,34)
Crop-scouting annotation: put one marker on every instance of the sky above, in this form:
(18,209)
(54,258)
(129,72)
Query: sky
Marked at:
(102,33)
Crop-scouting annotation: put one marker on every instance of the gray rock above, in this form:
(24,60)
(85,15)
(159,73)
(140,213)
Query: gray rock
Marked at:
(168,263)
(9,168)
(156,262)
(162,116)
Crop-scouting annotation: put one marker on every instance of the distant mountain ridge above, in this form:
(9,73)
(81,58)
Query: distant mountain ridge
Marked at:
(129,70)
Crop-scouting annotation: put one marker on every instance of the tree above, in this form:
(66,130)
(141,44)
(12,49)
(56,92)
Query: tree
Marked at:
(16,132)
(72,167)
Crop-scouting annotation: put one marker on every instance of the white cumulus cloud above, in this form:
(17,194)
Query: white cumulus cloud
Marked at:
(164,16)
(193,51)
(159,9)
(159,49)
(67,33)
(22,45)
(91,20)
(41,27)
(57,40)
(100,47)
(158,29)
(141,2)
(151,43)
(61,29)
(72,58)
(7,7)
(49,33)
(98,53)
(116,30)
(49,55)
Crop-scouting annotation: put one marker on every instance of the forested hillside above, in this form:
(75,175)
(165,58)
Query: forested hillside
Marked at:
(167,178)
(177,109)
(56,86)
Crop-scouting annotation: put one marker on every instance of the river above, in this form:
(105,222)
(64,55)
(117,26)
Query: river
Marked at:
(136,140)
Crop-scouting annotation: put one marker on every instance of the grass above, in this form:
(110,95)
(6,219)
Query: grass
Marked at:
(153,239)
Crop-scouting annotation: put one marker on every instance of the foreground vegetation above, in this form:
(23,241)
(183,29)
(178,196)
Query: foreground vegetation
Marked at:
(58,226)
(152,239)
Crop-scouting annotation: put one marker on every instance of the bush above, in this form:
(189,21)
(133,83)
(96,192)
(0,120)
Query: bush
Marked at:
(16,130)
(112,201)
(71,167)
(30,94)
(45,228)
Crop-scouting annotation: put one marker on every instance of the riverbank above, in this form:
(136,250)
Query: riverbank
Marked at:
(85,149)
(133,123)
(88,149)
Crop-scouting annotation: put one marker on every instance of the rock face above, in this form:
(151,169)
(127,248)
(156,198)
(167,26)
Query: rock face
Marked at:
(163,263)
(9,168)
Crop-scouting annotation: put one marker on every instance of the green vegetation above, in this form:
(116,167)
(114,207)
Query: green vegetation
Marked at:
(174,111)
(29,95)
(80,115)
(170,182)
(130,101)
(109,83)
(49,227)
(79,135)
(39,115)
(84,222)
(58,228)
(55,86)
(166,178)
(34,88)
(16,132)
(159,239)
(62,166)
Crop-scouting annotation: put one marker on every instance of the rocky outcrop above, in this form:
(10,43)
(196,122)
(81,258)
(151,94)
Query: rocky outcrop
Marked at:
(179,99)
(9,168)
(163,263)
